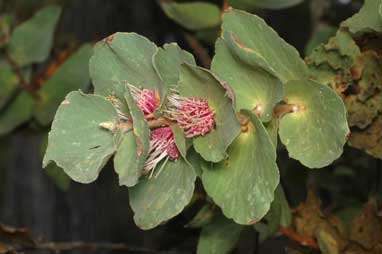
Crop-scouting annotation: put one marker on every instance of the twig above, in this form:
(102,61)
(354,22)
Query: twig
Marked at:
(225,5)
(295,237)
(128,126)
(199,50)
(284,109)
(52,67)
(160,122)
(23,83)
(65,246)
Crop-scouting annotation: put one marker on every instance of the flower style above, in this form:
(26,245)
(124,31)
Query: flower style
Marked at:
(162,145)
(192,114)
(146,99)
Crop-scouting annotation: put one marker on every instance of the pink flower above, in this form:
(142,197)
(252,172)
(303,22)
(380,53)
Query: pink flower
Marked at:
(162,145)
(192,114)
(146,99)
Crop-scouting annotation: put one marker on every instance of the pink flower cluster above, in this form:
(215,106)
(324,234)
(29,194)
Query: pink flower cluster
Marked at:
(162,145)
(192,114)
(145,99)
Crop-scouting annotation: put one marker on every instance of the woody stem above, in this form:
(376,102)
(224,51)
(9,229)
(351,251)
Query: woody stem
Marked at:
(160,122)
(280,110)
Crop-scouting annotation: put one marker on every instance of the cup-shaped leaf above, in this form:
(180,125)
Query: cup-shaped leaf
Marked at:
(77,143)
(121,58)
(252,34)
(193,16)
(201,83)
(266,4)
(316,131)
(243,185)
(368,19)
(278,215)
(167,62)
(219,237)
(134,147)
(162,197)
(255,88)
(31,41)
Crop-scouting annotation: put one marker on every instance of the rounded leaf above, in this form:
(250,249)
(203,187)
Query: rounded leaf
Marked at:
(193,16)
(199,82)
(254,87)
(160,198)
(121,58)
(243,185)
(76,142)
(316,132)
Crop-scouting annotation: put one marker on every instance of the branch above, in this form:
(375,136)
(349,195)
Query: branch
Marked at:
(297,238)
(65,246)
(199,50)
(225,5)
(128,126)
(23,83)
(280,110)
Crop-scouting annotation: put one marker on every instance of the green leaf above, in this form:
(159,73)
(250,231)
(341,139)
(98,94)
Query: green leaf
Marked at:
(60,179)
(253,86)
(201,83)
(180,140)
(31,41)
(17,112)
(77,143)
(123,58)
(278,216)
(195,160)
(193,16)
(219,237)
(58,176)
(367,20)
(158,199)
(72,75)
(319,37)
(204,216)
(9,83)
(265,4)
(133,150)
(253,35)
(243,185)
(273,130)
(316,132)
(167,62)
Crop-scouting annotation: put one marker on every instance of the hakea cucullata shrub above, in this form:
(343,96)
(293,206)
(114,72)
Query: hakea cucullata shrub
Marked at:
(166,121)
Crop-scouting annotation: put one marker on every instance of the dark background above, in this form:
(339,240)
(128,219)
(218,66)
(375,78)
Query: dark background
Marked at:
(99,212)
